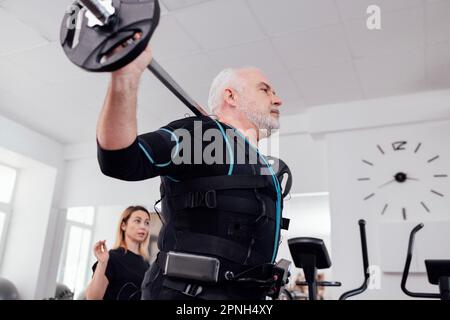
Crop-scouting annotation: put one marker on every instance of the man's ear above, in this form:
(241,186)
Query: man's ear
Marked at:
(230,97)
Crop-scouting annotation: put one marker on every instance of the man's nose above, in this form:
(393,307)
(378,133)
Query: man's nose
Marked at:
(276,101)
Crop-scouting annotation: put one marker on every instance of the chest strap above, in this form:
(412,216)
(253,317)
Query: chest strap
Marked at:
(205,184)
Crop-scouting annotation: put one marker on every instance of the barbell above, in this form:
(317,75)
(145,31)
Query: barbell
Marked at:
(91,30)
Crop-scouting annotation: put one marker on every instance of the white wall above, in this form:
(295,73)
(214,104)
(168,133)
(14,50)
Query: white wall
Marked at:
(376,113)
(40,163)
(388,233)
(85,185)
(306,159)
(27,231)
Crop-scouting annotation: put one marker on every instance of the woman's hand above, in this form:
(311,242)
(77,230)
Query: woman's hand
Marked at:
(101,252)
(97,287)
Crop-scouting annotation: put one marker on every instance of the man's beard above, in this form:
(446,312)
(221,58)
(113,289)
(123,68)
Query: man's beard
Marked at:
(265,123)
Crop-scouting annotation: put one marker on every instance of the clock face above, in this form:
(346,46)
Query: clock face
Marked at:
(403,177)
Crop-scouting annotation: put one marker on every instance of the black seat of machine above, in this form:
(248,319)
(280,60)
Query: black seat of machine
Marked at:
(309,251)
(437,269)
(310,254)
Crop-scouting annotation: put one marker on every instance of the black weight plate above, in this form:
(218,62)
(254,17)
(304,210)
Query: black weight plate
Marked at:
(281,170)
(92,44)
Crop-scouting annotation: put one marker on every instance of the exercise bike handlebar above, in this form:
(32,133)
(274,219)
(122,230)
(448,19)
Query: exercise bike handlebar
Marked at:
(363,287)
(408,264)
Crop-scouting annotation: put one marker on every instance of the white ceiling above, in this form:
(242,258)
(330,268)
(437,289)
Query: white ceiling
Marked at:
(314,51)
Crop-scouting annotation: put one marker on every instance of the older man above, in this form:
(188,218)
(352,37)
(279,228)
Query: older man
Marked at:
(221,199)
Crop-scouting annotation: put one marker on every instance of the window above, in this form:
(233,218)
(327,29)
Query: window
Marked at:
(2,221)
(8,177)
(84,215)
(7,181)
(74,268)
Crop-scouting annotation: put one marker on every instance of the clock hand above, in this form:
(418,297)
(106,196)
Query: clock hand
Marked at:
(400,178)
(385,184)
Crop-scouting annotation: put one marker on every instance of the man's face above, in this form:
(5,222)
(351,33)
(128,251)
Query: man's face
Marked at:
(258,101)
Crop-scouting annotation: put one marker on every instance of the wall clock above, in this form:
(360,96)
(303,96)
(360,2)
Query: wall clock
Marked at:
(402,177)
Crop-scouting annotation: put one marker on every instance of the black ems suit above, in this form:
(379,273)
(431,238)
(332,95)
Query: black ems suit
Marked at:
(221,221)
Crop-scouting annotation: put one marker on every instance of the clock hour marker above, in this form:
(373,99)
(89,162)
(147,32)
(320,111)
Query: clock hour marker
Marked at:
(369,196)
(363,179)
(425,207)
(440,176)
(367,162)
(432,159)
(439,194)
(418,147)
(384,209)
(399,145)
(381,150)
(404,213)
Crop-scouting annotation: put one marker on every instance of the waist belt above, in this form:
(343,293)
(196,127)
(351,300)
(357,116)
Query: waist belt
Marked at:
(204,184)
(260,275)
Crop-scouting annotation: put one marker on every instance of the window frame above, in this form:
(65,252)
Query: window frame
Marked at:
(7,209)
(63,257)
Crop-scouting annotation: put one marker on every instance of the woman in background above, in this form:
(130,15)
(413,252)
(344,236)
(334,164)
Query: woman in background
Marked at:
(118,273)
